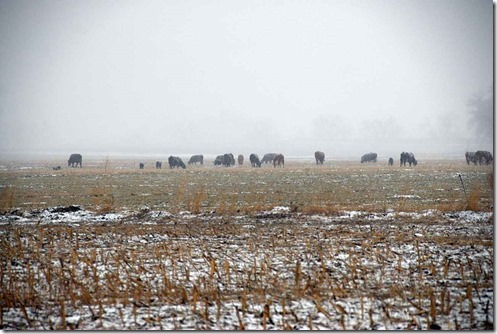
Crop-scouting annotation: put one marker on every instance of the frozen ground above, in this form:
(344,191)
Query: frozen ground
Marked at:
(67,267)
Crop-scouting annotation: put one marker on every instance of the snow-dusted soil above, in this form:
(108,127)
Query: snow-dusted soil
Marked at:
(66,267)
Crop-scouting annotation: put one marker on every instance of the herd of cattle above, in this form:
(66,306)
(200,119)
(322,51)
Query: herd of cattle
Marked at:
(227,159)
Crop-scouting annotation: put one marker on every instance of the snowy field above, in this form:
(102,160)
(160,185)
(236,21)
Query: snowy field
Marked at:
(71,268)
(339,247)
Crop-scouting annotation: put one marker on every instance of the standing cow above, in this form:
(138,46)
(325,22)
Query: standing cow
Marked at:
(240,159)
(268,158)
(279,160)
(471,157)
(196,158)
(407,157)
(176,162)
(74,160)
(158,165)
(254,160)
(369,157)
(142,165)
(228,160)
(319,157)
(390,162)
(484,156)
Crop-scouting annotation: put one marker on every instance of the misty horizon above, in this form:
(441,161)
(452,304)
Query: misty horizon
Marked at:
(345,77)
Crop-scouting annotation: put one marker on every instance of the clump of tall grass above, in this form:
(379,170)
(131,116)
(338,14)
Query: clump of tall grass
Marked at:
(490,181)
(102,196)
(7,198)
(473,201)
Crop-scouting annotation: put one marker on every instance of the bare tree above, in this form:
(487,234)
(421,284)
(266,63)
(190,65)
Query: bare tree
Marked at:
(386,127)
(332,127)
(481,117)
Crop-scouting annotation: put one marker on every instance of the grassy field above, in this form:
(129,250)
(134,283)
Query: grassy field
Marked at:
(114,185)
(339,246)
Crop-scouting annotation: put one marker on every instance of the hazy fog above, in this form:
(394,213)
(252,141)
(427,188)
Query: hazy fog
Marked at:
(342,76)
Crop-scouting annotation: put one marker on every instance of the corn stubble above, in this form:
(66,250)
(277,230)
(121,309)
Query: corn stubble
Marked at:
(254,271)
(218,269)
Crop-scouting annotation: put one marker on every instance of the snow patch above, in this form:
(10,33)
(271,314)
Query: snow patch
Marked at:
(280,209)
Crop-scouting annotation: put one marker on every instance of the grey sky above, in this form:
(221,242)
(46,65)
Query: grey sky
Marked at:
(242,76)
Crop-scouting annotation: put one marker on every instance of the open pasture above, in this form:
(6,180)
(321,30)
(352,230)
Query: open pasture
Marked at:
(338,246)
(106,185)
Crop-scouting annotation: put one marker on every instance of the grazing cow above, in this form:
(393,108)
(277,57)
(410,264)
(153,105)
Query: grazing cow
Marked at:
(254,160)
(240,159)
(407,157)
(196,158)
(142,165)
(176,162)
(268,158)
(158,165)
(369,157)
(219,160)
(75,159)
(228,160)
(280,160)
(319,157)
(484,156)
(57,168)
(390,162)
(471,157)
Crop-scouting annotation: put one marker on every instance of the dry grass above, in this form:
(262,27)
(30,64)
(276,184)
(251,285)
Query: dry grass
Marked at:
(324,189)
(101,196)
(7,198)
(260,273)
(474,200)
(491,182)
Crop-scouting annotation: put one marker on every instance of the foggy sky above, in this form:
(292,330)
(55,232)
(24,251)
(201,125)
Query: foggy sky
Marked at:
(216,76)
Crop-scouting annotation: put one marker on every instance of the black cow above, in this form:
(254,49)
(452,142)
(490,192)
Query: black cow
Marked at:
(268,158)
(176,162)
(158,165)
(240,159)
(484,156)
(369,157)
(254,160)
(390,162)
(471,157)
(75,159)
(219,160)
(280,160)
(407,157)
(57,168)
(228,160)
(142,165)
(319,157)
(196,158)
